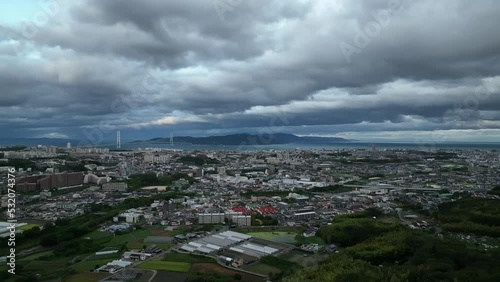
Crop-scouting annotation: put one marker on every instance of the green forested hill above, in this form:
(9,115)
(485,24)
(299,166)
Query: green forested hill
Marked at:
(374,250)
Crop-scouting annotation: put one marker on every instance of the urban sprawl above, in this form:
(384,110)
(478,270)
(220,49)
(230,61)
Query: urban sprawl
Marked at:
(236,207)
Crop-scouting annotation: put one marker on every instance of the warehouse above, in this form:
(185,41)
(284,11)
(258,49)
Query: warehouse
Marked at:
(215,242)
(254,250)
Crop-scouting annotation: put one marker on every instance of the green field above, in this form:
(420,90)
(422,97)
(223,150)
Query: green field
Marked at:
(303,258)
(277,236)
(97,235)
(186,258)
(134,239)
(36,256)
(314,240)
(105,256)
(166,265)
(27,227)
(88,265)
(86,277)
(51,265)
(262,268)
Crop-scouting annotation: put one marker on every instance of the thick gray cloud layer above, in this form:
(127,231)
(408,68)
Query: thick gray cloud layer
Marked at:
(219,66)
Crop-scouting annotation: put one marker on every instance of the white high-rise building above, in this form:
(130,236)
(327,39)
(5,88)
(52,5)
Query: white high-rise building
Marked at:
(118,140)
(242,220)
(209,218)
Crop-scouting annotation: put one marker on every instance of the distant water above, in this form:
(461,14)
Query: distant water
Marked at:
(330,146)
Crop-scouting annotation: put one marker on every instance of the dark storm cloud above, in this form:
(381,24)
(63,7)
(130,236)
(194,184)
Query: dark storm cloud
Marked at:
(180,64)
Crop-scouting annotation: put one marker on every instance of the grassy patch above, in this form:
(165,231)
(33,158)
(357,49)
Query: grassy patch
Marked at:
(278,236)
(163,246)
(141,233)
(215,272)
(135,245)
(51,265)
(262,268)
(105,256)
(36,256)
(27,227)
(279,263)
(166,265)
(88,265)
(186,258)
(86,277)
(97,235)
(313,240)
(134,240)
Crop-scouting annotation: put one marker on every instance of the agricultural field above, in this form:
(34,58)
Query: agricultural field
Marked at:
(303,258)
(50,265)
(186,258)
(218,273)
(36,256)
(134,239)
(87,265)
(105,256)
(313,240)
(162,276)
(166,265)
(262,268)
(27,227)
(276,236)
(86,277)
(97,235)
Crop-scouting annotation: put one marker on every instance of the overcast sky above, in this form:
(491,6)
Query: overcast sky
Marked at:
(409,70)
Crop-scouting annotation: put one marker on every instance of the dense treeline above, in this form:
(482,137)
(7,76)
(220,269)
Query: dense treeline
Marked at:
(248,194)
(197,160)
(286,267)
(13,148)
(350,231)
(382,251)
(332,189)
(471,215)
(66,235)
(137,181)
(259,219)
(66,230)
(495,190)
(19,163)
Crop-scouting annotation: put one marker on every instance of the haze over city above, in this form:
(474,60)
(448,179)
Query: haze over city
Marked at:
(365,70)
(249,140)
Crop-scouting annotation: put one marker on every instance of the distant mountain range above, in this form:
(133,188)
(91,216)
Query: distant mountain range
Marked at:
(245,139)
(60,142)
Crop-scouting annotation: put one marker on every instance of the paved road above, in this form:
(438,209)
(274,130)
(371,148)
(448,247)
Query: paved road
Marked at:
(406,188)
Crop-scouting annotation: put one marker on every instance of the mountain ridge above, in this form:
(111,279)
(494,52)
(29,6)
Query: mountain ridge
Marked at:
(246,139)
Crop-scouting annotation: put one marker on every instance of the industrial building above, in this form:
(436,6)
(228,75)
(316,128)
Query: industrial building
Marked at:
(92,178)
(215,242)
(128,217)
(49,181)
(134,256)
(115,187)
(304,215)
(156,158)
(210,218)
(255,250)
(242,220)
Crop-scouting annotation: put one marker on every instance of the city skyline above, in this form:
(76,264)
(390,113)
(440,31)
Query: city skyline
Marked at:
(396,70)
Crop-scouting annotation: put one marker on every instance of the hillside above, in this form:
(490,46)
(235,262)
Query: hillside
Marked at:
(246,139)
